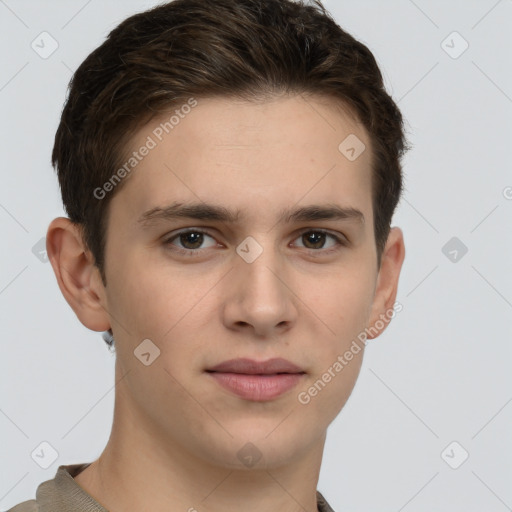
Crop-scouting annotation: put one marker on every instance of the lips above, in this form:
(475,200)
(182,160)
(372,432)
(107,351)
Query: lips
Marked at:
(257,381)
(251,367)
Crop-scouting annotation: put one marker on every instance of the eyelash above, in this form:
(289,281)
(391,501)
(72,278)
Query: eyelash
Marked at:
(340,242)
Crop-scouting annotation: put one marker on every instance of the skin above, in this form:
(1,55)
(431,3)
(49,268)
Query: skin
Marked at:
(176,432)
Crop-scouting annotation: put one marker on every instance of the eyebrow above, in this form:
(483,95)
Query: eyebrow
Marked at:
(212,212)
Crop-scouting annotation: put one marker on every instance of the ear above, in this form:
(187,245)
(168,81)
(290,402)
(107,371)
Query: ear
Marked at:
(78,278)
(387,283)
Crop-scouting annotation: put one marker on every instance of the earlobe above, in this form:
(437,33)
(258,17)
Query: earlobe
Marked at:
(387,283)
(76,274)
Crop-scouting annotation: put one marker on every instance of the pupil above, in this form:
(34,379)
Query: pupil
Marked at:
(194,239)
(319,239)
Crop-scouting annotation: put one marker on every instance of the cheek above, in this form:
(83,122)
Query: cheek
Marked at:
(147,297)
(330,391)
(345,304)
(173,309)
(138,291)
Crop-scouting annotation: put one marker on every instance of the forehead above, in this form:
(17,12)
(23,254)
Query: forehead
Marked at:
(252,157)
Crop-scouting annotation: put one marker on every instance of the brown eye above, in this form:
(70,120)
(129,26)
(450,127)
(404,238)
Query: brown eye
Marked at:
(317,239)
(314,240)
(189,241)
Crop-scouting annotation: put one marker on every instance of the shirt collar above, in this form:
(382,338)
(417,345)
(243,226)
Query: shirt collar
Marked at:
(63,494)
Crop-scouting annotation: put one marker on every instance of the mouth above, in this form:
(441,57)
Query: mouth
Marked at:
(257,381)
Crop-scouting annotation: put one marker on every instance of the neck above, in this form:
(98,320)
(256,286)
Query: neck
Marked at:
(141,469)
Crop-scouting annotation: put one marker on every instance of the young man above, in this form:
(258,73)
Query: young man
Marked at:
(230,170)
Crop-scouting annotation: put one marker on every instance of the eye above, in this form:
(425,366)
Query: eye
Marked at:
(315,240)
(190,240)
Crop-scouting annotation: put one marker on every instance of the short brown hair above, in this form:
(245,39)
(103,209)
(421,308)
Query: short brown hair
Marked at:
(247,49)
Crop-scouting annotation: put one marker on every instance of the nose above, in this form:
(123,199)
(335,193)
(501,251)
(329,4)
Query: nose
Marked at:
(260,298)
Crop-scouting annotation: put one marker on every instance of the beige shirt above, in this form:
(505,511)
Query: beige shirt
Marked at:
(63,494)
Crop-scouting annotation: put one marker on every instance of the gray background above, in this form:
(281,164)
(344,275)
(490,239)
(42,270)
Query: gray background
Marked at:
(439,373)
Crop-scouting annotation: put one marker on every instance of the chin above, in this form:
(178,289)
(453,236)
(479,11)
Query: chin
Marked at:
(259,447)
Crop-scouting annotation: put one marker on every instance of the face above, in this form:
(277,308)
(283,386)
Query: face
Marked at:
(241,277)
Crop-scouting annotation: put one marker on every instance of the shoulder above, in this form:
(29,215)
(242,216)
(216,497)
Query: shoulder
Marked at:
(60,493)
(26,506)
(322,504)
